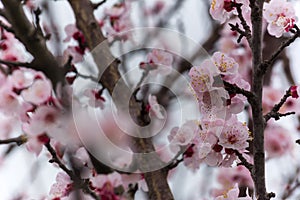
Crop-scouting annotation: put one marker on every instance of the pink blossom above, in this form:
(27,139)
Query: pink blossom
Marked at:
(156,8)
(184,135)
(45,119)
(201,77)
(271,96)
(8,99)
(116,10)
(62,187)
(104,185)
(6,126)
(160,62)
(128,179)
(280,15)
(70,30)
(96,99)
(117,21)
(226,65)
(75,52)
(221,10)
(155,108)
(21,78)
(232,194)
(239,174)
(234,135)
(38,93)
(278,142)
(217,11)
(35,143)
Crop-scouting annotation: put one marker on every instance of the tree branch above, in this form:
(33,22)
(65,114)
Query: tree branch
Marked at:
(86,22)
(274,112)
(18,140)
(266,64)
(33,41)
(243,160)
(233,88)
(16,64)
(96,5)
(79,183)
(258,171)
(247,32)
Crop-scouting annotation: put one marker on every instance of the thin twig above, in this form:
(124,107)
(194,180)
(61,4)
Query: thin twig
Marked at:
(274,112)
(243,160)
(285,44)
(16,64)
(233,88)
(79,182)
(247,32)
(96,5)
(18,140)
(88,77)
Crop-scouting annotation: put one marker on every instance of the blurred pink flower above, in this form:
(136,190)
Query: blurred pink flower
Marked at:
(39,92)
(155,108)
(278,142)
(232,194)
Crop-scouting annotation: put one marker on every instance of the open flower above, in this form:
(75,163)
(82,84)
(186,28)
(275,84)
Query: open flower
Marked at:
(280,15)
(38,92)
(62,187)
(234,135)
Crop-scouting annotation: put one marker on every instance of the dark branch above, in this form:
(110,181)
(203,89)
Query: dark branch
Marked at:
(18,140)
(16,64)
(298,141)
(247,32)
(33,40)
(243,160)
(233,88)
(5,27)
(79,183)
(285,44)
(274,112)
(96,5)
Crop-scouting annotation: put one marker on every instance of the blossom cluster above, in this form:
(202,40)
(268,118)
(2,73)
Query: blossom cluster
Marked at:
(279,14)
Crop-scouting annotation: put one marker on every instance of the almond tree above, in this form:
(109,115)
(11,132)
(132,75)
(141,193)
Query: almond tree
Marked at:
(107,121)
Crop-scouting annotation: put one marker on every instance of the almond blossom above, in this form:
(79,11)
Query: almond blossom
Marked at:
(45,119)
(202,78)
(230,176)
(117,21)
(234,135)
(8,99)
(278,142)
(154,108)
(227,65)
(39,92)
(182,136)
(158,62)
(62,187)
(232,194)
(96,99)
(280,16)
(221,10)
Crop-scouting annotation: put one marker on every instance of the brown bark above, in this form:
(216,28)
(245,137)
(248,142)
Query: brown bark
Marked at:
(87,24)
